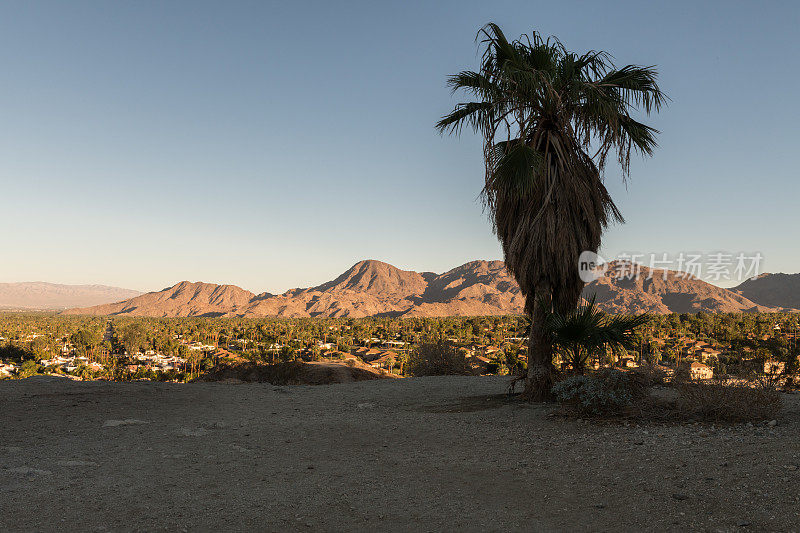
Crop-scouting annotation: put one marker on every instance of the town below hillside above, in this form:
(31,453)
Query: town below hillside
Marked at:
(701,346)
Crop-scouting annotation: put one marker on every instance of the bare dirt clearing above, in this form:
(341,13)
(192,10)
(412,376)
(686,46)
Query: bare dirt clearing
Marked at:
(425,454)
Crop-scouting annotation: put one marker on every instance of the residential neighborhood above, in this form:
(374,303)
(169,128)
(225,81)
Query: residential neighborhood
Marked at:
(181,349)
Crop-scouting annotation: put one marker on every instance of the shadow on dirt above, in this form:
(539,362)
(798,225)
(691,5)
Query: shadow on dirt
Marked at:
(470,404)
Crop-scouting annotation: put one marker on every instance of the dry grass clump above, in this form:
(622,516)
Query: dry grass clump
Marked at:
(437,359)
(727,402)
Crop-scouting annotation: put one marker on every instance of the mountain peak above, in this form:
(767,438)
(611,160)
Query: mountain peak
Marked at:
(376,277)
(376,288)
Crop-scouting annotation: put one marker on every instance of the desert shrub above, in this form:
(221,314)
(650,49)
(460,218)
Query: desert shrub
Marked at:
(649,375)
(605,393)
(727,402)
(437,359)
(682,374)
(15,353)
(29,368)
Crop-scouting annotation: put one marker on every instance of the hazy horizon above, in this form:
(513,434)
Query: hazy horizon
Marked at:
(273,146)
(330,277)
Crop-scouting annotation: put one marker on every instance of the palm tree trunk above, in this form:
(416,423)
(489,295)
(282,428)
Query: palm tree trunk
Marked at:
(541,373)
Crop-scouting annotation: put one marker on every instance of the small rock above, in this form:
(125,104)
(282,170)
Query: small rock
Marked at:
(772,423)
(680,497)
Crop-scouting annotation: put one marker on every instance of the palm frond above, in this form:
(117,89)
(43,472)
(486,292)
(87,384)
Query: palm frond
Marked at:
(472,114)
(516,169)
(586,331)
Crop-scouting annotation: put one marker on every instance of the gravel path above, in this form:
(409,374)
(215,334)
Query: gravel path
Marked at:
(426,454)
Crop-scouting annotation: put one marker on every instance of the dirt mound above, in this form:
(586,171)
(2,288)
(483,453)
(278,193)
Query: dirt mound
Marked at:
(293,373)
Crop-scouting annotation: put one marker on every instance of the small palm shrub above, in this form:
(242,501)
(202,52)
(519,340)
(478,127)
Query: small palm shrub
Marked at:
(437,359)
(587,331)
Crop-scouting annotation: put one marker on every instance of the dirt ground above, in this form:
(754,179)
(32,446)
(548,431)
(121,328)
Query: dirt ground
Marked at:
(425,454)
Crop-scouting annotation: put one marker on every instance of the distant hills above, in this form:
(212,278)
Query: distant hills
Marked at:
(38,295)
(374,288)
(776,290)
(368,288)
(665,291)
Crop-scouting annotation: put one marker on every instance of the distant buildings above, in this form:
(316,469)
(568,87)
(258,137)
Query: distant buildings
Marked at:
(700,371)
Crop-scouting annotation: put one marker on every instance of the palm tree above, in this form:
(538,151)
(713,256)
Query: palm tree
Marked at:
(586,331)
(541,110)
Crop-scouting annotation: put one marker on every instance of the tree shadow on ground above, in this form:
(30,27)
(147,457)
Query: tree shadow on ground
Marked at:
(471,404)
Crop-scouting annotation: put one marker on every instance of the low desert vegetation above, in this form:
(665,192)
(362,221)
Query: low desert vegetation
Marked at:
(728,402)
(437,359)
(586,334)
(632,395)
(606,393)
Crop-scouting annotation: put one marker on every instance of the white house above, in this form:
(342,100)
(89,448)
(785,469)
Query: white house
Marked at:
(700,371)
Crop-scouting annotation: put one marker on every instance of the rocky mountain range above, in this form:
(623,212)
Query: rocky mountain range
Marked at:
(775,290)
(374,288)
(38,295)
(663,292)
(368,288)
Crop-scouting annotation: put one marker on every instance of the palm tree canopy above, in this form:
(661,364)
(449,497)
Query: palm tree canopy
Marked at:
(542,110)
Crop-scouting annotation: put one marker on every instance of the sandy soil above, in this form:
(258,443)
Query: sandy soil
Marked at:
(427,454)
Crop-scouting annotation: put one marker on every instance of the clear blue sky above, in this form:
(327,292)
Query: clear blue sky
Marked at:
(273,145)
